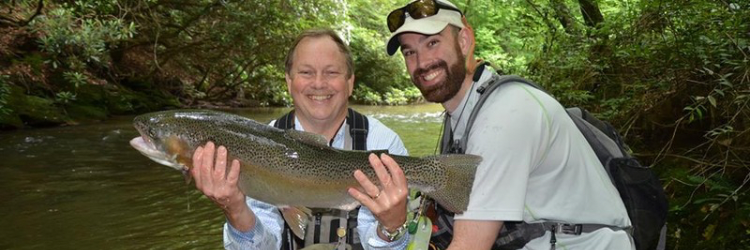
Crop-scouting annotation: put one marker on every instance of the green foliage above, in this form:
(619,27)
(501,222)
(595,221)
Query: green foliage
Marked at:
(375,69)
(365,95)
(65,97)
(395,97)
(673,75)
(72,40)
(75,78)
(4,93)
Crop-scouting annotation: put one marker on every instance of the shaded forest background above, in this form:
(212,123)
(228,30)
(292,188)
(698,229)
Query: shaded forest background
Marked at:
(672,75)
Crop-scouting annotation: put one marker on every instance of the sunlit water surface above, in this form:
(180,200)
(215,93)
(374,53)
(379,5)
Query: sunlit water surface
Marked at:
(84,187)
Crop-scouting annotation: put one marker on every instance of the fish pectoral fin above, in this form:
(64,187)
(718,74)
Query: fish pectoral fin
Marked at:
(307,137)
(187,176)
(296,218)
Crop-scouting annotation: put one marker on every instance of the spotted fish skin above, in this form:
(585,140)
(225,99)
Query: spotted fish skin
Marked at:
(293,168)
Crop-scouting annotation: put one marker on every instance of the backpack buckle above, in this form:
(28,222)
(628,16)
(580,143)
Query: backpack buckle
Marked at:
(574,229)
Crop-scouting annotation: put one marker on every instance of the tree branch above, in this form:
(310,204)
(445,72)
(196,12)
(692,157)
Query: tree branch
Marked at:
(38,11)
(16,23)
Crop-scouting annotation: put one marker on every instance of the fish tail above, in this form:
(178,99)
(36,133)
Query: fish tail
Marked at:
(459,170)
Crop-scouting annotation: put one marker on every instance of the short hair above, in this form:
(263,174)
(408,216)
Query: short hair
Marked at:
(315,33)
(454,30)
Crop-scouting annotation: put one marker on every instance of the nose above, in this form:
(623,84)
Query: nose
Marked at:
(320,81)
(423,60)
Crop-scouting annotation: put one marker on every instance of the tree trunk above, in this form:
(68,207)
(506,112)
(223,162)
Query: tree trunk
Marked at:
(592,16)
(562,13)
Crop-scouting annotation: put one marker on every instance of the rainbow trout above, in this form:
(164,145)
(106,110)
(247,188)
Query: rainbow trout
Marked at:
(293,168)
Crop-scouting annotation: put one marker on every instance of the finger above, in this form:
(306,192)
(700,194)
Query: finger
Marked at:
(220,168)
(208,163)
(208,154)
(363,198)
(369,188)
(197,160)
(397,174)
(234,173)
(377,166)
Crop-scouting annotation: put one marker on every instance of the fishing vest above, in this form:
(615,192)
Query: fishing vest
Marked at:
(639,188)
(325,222)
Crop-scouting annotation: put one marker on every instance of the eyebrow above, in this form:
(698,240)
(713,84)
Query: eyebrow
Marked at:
(422,39)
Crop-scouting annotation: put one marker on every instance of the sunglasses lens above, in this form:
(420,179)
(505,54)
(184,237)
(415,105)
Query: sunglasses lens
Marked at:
(395,19)
(417,10)
(422,9)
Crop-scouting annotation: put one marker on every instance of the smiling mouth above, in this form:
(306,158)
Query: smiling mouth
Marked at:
(431,76)
(427,78)
(319,97)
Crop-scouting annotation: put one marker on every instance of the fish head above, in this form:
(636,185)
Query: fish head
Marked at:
(170,137)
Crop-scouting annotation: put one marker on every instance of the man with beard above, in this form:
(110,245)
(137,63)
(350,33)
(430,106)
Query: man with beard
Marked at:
(537,167)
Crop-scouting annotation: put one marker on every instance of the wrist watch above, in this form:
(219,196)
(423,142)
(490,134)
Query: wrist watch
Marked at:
(395,235)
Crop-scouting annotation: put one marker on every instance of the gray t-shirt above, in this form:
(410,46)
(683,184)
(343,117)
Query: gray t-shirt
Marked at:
(536,167)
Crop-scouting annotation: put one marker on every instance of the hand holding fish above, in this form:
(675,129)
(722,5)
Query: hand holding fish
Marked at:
(387,202)
(220,186)
(289,168)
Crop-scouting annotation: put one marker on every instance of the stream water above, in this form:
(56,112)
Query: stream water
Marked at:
(84,187)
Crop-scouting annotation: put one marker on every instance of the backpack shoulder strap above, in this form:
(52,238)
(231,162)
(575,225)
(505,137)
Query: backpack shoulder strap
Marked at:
(286,121)
(446,138)
(358,128)
(484,91)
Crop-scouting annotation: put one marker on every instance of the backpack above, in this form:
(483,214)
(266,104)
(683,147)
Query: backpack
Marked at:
(639,189)
(358,128)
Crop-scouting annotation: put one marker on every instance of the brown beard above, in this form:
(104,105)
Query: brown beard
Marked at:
(447,89)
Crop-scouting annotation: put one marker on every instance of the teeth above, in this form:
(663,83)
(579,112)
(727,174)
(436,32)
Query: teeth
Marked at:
(320,97)
(431,76)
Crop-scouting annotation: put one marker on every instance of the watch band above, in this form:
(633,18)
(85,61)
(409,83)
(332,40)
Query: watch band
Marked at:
(400,231)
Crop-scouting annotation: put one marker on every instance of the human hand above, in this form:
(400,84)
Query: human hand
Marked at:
(213,180)
(387,202)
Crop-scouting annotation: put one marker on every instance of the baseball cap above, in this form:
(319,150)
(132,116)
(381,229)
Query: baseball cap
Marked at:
(429,25)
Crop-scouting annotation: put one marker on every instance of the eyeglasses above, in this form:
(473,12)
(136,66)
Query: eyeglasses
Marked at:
(417,10)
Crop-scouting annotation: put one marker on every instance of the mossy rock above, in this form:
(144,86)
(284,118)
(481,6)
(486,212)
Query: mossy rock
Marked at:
(90,94)
(10,120)
(124,101)
(31,110)
(86,113)
(40,111)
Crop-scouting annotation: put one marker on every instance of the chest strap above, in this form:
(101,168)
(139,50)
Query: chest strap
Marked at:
(357,123)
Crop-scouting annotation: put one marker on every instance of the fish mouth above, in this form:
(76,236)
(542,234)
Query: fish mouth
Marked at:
(143,145)
(147,148)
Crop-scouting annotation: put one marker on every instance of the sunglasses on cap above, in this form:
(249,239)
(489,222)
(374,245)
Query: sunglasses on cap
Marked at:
(417,10)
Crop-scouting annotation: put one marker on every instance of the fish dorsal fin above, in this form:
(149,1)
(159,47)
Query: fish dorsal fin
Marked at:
(307,137)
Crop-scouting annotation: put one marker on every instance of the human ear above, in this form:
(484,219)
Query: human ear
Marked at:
(288,79)
(466,40)
(468,31)
(350,83)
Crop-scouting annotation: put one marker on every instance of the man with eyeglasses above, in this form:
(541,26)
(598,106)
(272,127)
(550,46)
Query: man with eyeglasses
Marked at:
(537,166)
